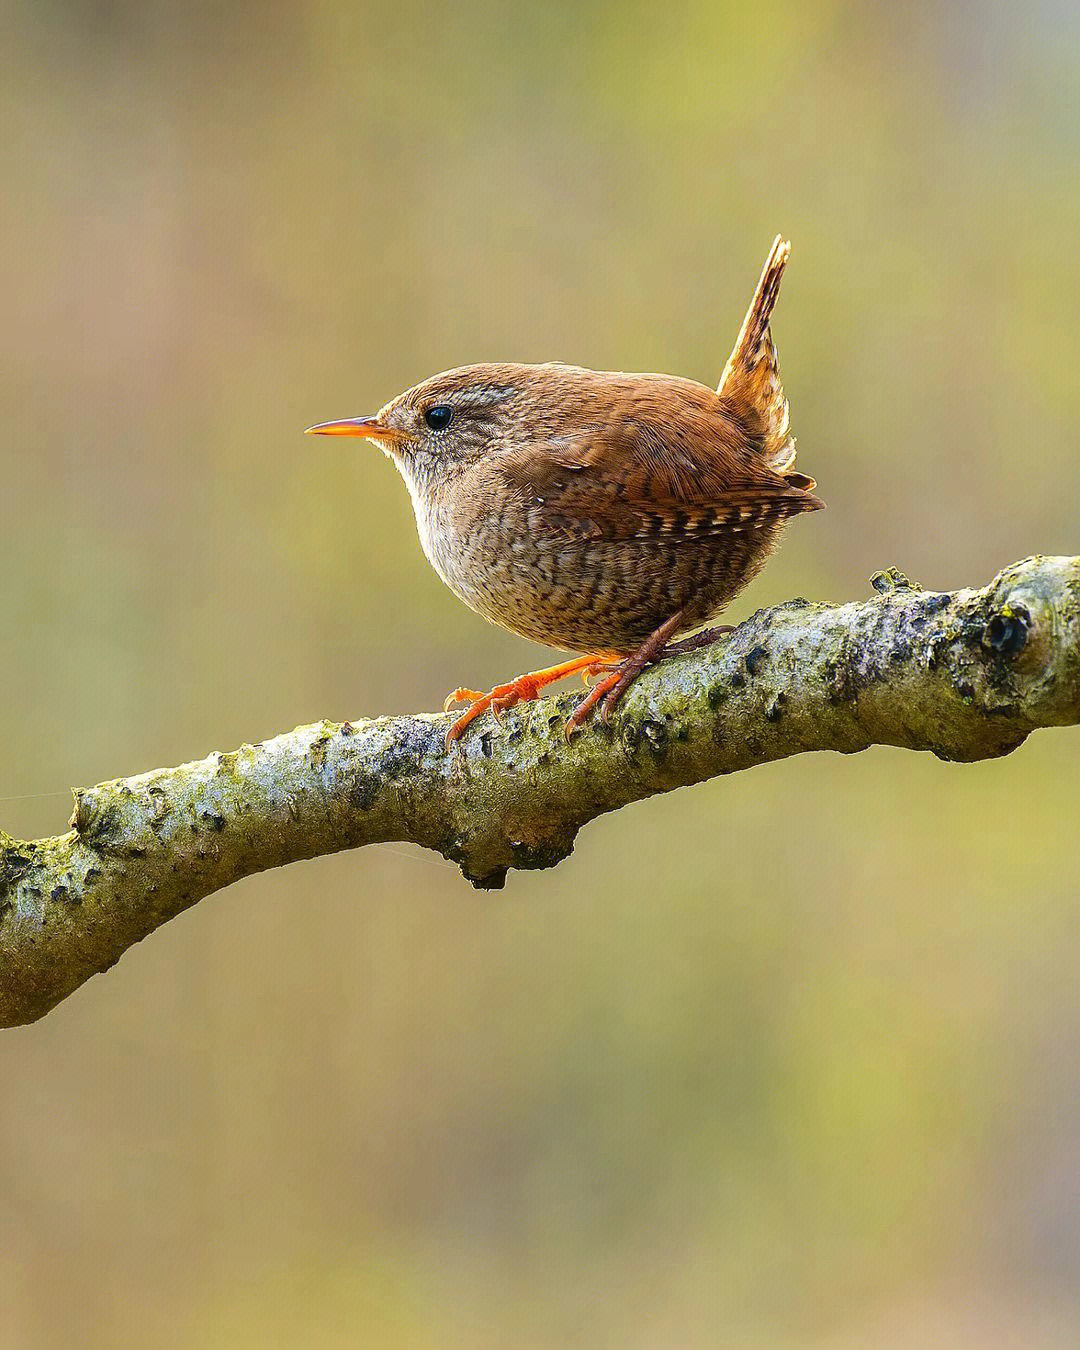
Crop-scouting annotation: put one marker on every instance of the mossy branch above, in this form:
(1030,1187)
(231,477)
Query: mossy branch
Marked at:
(966,675)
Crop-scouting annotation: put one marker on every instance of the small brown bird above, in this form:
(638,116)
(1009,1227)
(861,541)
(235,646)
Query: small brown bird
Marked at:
(596,511)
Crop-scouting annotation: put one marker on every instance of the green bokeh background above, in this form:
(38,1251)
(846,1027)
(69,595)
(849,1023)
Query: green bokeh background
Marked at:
(789,1059)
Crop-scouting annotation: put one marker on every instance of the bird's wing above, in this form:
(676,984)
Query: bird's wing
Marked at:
(648,474)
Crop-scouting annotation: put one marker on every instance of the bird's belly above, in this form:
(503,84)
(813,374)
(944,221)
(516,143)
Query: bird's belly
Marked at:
(591,595)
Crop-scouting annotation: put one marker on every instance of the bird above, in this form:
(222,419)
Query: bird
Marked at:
(601,513)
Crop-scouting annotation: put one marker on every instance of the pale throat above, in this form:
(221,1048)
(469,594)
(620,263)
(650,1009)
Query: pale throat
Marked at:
(419,474)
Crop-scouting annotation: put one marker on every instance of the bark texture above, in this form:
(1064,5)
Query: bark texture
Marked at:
(966,675)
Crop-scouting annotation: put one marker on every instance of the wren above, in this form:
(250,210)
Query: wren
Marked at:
(595,511)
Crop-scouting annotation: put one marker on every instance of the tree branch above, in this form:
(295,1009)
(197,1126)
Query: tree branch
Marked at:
(966,675)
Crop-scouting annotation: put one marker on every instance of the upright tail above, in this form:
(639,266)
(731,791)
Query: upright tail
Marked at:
(751,378)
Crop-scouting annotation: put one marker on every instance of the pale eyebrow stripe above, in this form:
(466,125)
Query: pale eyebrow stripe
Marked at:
(483,396)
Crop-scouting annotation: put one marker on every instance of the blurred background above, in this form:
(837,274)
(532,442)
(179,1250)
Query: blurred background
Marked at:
(788,1059)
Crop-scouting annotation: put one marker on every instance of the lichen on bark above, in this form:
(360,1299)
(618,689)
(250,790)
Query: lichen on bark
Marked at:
(967,675)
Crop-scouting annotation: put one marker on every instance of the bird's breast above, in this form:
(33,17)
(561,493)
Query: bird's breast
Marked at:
(499,554)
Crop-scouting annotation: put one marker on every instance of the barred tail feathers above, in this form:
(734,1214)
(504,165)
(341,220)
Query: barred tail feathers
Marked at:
(751,378)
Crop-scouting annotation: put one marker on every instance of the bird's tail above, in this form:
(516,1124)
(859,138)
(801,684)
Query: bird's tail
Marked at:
(751,378)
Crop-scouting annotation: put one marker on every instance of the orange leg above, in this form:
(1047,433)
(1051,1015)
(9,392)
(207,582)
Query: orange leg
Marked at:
(613,686)
(522,689)
(655,647)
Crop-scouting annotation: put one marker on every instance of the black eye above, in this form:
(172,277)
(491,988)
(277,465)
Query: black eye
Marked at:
(439,417)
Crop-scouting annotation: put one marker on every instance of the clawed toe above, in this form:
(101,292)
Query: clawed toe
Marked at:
(598,692)
(621,676)
(705,638)
(598,668)
(462,696)
(506,696)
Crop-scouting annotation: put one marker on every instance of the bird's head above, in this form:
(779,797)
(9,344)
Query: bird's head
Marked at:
(449,420)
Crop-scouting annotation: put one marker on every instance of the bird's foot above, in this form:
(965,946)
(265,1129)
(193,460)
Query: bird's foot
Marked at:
(617,677)
(521,690)
(695,641)
(608,691)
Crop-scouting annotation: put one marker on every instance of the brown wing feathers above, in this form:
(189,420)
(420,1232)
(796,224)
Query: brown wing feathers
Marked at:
(696,477)
(657,456)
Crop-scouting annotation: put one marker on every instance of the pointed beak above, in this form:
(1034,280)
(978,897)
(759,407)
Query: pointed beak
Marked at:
(351,426)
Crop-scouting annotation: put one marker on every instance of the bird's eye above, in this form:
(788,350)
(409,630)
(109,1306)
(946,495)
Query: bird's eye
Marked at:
(439,417)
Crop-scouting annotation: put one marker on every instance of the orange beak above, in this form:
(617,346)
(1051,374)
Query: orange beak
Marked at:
(352,426)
